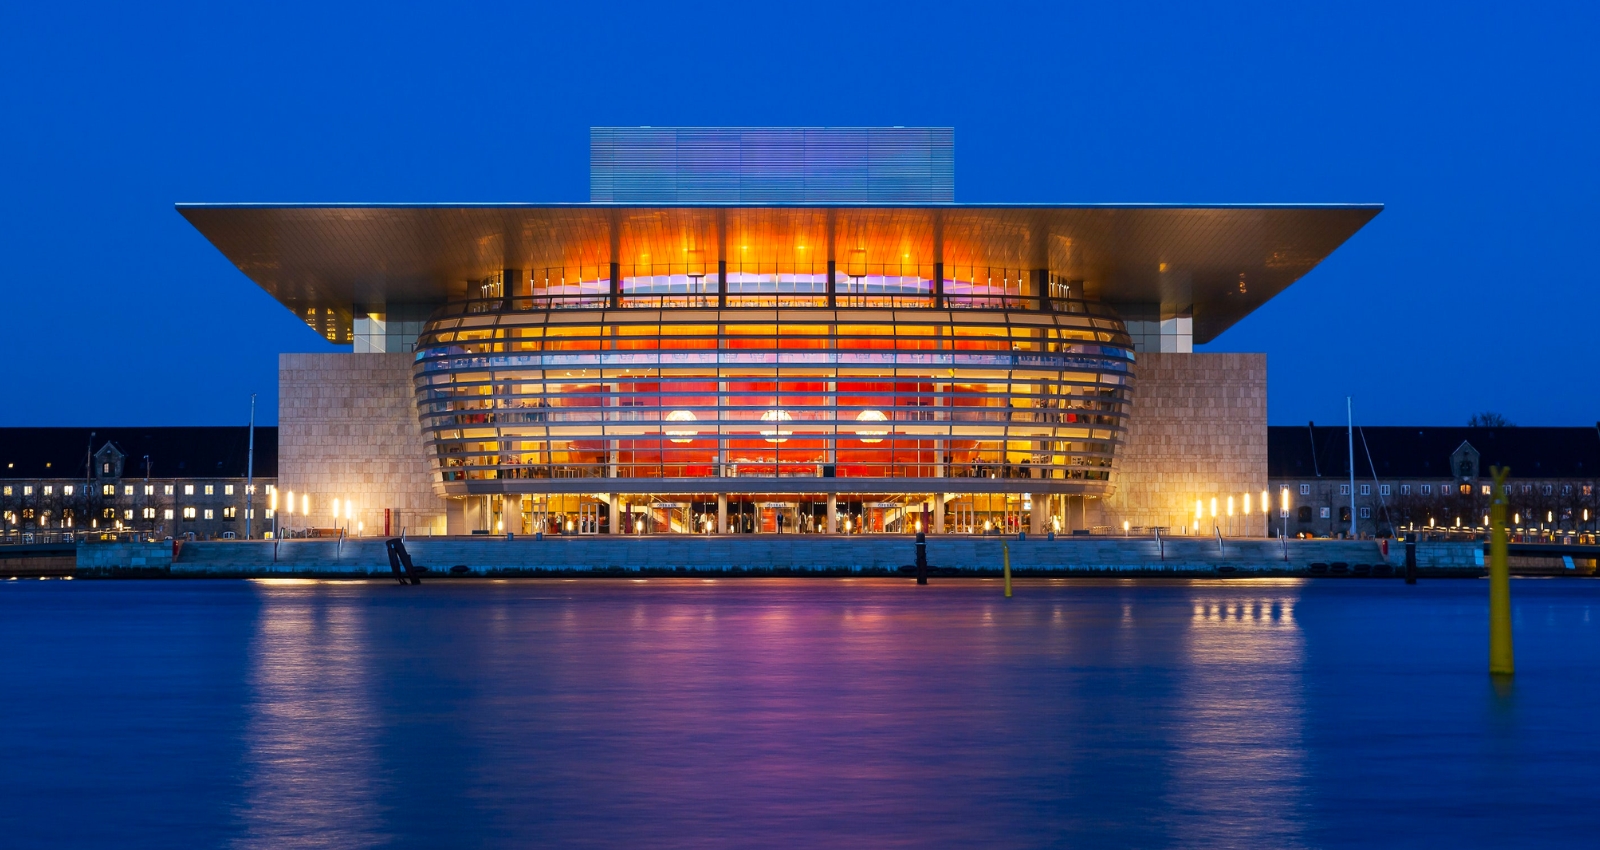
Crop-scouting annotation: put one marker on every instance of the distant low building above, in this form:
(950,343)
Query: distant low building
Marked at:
(1419,477)
(166,482)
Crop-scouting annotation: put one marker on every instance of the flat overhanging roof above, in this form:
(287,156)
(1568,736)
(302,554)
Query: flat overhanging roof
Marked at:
(1218,261)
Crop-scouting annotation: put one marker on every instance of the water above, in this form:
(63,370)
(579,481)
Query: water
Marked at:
(866,713)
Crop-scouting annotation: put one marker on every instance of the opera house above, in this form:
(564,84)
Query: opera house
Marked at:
(772,330)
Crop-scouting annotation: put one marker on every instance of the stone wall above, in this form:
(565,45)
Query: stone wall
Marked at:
(801,552)
(1198,430)
(347,429)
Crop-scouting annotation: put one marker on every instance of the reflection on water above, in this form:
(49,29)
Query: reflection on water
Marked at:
(1239,757)
(839,713)
(309,772)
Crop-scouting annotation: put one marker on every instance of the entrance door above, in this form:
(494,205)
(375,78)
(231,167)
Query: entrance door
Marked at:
(959,520)
(589,518)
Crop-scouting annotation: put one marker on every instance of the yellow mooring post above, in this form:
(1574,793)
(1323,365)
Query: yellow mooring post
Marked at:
(1500,657)
(1005,552)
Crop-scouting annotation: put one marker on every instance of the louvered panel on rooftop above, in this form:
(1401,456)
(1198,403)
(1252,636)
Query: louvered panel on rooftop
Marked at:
(772,165)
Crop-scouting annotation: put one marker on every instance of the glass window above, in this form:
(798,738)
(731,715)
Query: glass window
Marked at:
(1427,489)
(1405,489)
(127,489)
(1383,489)
(1366,513)
(8,491)
(188,513)
(210,490)
(188,489)
(268,514)
(167,513)
(1305,489)
(208,513)
(1344,489)
(108,489)
(230,513)
(166,489)
(127,514)
(150,513)
(1546,490)
(50,488)
(1485,489)
(149,489)
(27,489)
(227,489)
(1325,513)
(1366,489)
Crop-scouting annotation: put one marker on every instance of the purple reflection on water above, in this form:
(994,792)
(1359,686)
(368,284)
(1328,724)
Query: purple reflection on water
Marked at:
(790,712)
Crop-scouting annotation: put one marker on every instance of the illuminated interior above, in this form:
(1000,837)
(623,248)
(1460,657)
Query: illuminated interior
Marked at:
(679,398)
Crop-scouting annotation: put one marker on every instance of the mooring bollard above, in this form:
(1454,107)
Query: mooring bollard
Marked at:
(1500,656)
(1005,552)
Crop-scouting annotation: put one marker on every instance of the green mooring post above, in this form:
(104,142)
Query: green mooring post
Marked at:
(1500,656)
(1005,553)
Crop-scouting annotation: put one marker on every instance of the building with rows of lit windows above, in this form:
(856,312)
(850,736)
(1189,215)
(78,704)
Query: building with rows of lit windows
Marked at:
(772,330)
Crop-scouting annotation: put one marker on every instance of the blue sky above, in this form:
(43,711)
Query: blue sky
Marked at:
(1475,124)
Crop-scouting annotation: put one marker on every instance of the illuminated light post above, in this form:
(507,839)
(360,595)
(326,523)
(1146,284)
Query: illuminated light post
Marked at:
(1199,514)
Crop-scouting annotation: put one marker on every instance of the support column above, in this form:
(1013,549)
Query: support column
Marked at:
(832,287)
(614,521)
(722,513)
(513,285)
(833,513)
(1037,514)
(722,283)
(938,513)
(938,286)
(1040,278)
(616,284)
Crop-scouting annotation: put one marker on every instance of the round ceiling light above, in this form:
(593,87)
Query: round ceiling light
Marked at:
(871,435)
(681,434)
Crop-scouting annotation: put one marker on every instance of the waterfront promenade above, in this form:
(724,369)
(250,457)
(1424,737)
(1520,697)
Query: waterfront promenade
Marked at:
(815,554)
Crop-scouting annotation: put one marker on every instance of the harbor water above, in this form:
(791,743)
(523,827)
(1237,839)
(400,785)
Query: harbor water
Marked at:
(794,713)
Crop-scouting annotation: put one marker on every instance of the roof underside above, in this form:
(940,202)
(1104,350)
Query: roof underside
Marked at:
(1221,262)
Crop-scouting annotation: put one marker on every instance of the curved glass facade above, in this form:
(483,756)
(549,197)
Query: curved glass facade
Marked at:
(666,388)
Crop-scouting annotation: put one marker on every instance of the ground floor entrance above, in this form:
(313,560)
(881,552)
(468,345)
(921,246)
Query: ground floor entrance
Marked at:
(769,513)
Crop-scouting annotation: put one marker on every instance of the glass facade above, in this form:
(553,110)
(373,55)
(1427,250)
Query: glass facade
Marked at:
(674,394)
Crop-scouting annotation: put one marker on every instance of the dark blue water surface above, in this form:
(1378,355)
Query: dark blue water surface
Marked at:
(814,712)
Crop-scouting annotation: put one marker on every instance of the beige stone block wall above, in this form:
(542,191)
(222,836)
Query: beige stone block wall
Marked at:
(1198,430)
(347,429)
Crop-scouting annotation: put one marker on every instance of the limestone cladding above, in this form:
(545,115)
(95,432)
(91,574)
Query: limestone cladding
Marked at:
(347,429)
(1198,430)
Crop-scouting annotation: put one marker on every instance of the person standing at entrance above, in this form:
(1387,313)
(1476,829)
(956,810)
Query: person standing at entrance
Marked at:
(780,521)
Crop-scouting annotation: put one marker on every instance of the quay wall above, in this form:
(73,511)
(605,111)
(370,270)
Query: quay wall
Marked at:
(766,552)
